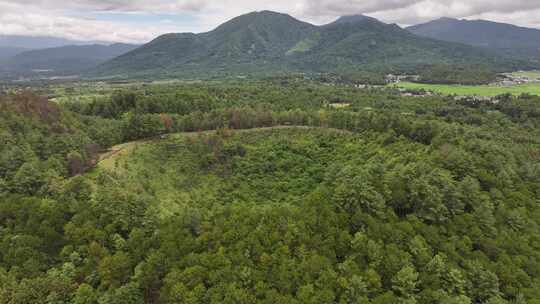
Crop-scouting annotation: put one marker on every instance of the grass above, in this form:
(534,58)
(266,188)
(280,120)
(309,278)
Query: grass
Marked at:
(109,159)
(480,90)
(530,74)
(83,98)
(304,45)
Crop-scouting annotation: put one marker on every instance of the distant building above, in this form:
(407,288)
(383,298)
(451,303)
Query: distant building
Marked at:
(476,99)
(391,78)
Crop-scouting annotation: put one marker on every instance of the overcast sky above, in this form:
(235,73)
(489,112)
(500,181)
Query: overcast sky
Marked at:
(142,20)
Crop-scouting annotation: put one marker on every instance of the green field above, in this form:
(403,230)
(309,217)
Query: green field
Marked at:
(530,74)
(481,90)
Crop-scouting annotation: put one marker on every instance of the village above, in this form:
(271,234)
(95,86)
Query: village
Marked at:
(517,78)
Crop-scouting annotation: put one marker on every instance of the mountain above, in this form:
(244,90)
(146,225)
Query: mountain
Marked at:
(268,42)
(31,42)
(360,41)
(251,42)
(504,38)
(8,52)
(66,59)
(353,19)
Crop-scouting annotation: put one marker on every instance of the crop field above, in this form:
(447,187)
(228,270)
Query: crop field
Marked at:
(479,90)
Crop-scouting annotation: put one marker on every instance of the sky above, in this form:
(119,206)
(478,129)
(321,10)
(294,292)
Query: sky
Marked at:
(139,21)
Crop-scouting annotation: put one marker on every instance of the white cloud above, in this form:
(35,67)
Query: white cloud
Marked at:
(33,20)
(73,19)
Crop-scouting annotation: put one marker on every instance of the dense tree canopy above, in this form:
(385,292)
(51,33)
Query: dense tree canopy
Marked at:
(306,193)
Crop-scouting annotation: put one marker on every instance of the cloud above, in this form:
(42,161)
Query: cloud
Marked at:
(115,5)
(415,11)
(76,19)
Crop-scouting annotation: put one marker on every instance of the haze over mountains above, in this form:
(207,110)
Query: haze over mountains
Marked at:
(22,56)
(67,59)
(45,42)
(11,45)
(8,52)
(503,38)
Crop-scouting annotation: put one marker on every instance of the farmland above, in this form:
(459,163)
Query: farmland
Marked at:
(478,90)
(529,74)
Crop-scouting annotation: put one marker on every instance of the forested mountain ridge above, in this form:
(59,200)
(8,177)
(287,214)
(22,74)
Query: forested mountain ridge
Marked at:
(268,43)
(507,39)
(359,41)
(382,199)
(250,42)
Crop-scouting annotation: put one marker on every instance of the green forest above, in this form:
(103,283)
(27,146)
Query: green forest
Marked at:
(274,191)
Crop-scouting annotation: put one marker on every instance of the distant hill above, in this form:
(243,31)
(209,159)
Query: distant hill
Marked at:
(504,38)
(36,42)
(66,59)
(268,42)
(8,52)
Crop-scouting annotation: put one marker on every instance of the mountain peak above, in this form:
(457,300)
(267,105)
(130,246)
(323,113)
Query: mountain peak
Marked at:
(447,19)
(354,19)
(261,18)
(268,13)
(263,14)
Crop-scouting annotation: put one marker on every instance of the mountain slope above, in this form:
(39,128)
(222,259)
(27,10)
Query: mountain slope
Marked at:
(67,59)
(246,43)
(268,42)
(363,41)
(8,52)
(258,35)
(504,38)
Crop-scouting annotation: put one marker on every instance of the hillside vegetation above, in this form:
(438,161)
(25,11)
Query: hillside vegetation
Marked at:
(268,43)
(284,198)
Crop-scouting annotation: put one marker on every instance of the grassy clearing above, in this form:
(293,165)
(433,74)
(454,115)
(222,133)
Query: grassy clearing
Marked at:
(482,90)
(280,164)
(109,160)
(83,98)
